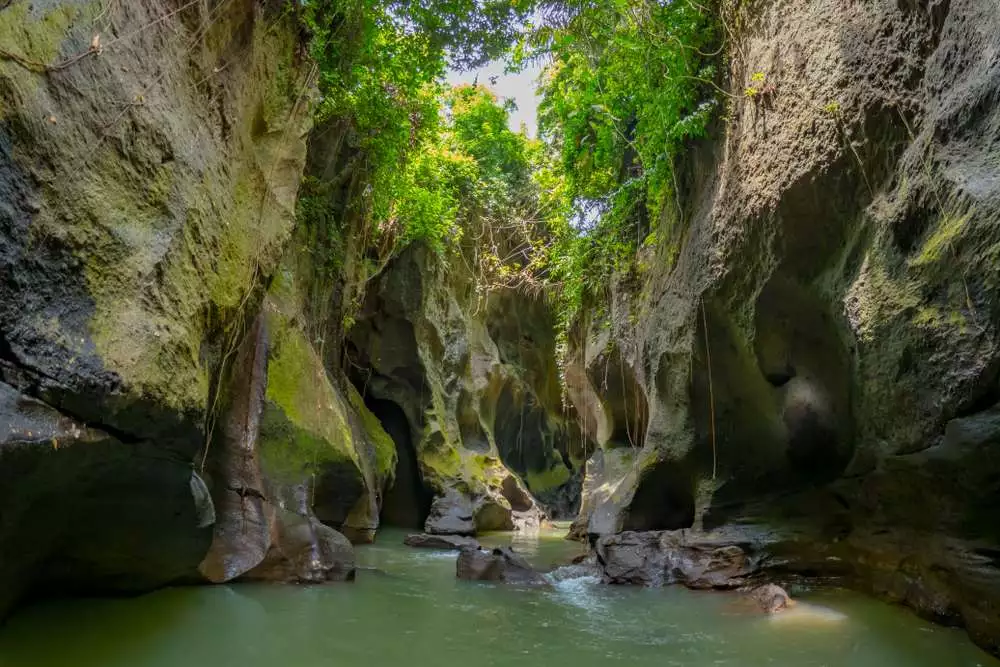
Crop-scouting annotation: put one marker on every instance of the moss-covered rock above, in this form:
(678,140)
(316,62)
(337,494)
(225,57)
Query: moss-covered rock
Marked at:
(147,198)
(143,203)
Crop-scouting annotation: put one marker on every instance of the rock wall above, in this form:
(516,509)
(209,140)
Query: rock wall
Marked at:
(810,354)
(474,377)
(815,347)
(166,414)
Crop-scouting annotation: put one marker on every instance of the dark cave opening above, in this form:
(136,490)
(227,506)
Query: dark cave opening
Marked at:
(407,502)
(663,501)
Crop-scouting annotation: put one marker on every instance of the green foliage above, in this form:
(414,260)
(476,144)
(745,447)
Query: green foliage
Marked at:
(380,65)
(473,168)
(629,84)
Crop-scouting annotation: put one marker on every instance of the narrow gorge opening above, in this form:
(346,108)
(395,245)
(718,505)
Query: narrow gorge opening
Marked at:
(709,287)
(407,502)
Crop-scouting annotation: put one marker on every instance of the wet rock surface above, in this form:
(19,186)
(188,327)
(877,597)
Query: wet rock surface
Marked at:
(501,564)
(304,551)
(451,514)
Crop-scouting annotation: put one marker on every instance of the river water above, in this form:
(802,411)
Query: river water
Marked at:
(409,610)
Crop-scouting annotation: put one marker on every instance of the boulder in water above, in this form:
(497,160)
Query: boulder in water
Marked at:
(696,559)
(771,598)
(452,542)
(501,564)
(451,514)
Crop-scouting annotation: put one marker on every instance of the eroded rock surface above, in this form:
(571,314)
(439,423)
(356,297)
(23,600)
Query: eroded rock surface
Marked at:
(141,196)
(148,425)
(676,557)
(475,381)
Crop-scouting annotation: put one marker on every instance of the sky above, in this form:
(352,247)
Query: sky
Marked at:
(519,87)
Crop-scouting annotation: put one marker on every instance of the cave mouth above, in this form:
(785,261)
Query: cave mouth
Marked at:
(407,503)
(624,398)
(664,500)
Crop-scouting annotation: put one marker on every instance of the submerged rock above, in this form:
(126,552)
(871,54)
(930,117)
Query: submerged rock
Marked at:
(454,542)
(500,564)
(771,598)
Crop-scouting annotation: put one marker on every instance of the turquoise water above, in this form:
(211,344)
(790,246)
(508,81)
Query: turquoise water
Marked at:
(412,611)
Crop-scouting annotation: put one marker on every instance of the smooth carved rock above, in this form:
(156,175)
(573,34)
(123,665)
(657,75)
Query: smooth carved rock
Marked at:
(451,514)
(305,551)
(501,564)
(452,542)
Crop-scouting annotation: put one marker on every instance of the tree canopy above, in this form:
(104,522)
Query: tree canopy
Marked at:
(625,84)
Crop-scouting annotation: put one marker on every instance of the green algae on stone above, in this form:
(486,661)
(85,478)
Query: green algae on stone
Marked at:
(948,230)
(545,480)
(385,448)
(440,463)
(35,38)
(297,383)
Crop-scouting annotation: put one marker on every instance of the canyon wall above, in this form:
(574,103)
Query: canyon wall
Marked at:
(196,386)
(151,158)
(811,353)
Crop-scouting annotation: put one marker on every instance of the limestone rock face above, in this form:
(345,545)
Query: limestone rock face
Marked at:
(166,417)
(472,387)
(293,452)
(144,190)
(86,512)
(816,353)
(303,550)
(657,558)
(451,514)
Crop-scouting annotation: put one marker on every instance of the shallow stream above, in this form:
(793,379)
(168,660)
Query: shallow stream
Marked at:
(406,608)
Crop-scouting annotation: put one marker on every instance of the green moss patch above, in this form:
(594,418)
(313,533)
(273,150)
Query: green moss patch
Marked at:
(947,231)
(305,424)
(553,478)
(385,448)
(38,38)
